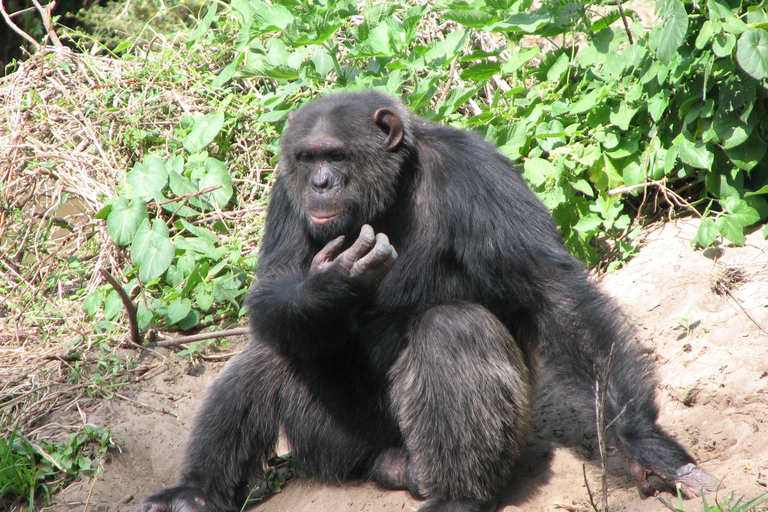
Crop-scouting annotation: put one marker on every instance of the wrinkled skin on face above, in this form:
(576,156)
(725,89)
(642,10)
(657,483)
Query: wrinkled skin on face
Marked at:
(342,174)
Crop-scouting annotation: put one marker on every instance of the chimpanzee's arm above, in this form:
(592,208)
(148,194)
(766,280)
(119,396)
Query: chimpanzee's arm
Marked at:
(305,313)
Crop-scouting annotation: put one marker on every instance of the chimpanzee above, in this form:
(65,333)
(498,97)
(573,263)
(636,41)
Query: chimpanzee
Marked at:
(409,283)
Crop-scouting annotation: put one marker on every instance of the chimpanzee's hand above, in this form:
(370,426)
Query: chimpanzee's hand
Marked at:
(368,261)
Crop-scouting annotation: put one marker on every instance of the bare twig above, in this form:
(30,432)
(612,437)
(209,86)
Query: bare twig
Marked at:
(238,331)
(626,23)
(601,393)
(130,307)
(589,490)
(16,29)
(45,14)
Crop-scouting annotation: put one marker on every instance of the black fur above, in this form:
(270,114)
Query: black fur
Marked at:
(421,380)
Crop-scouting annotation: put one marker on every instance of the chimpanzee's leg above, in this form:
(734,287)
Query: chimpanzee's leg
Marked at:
(239,423)
(461,392)
(585,338)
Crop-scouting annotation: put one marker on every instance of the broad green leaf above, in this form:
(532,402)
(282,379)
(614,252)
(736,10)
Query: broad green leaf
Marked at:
(560,66)
(481,72)
(723,44)
(125,218)
(695,154)
(206,129)
(673,30)
(588,223)
(762,190)
(520,59)
(178,310)
(216,175)
(204,25)
(376,45)
(657,105)
(633,174)
(584,187)
(722,186)
(707,233)
(523,22)
(190,321)
(92,303)
(537,171)
(705,35)
(730,129)
(622,115)
(180,185)
(271,18)
(752,52)
(587,102)
(747,155)
(148,177)
(113,305)
(731,229)
(195,244)
(152,250)
(204,300)
(744,214)
(470,17)
(322,62)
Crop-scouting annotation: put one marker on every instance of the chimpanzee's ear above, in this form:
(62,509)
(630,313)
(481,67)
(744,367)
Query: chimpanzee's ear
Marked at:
(390,124)
(291,116)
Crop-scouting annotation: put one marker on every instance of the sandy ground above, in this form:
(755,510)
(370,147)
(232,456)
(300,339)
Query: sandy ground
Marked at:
(712,361)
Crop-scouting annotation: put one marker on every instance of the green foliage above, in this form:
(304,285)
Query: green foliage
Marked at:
(727,504)
(31,470)
(188,276)
(594,125)
(598,122)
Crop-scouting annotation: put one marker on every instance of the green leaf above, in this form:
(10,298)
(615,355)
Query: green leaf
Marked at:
(470,17)
(204,300)
(216,175)
(622,115)
(588,223)
(673,30)
(747,155)
(744,214)
(560,66)
(271,18)
(657,105)
(125,218)
(481,72)
(520,59)
(762,190)
(152,250)
(180,185)
(537,171)
(723,44)
(190,321)
(731,229)
(587,102)
(178,310)
(752,52)
(524,22)
(205,130)
(695,154)
(322,62)
(112,306)
(730,129)
(148,177)
(92,303)
(204,25)
(707,233)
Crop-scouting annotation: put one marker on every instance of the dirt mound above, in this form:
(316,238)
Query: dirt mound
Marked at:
(701,315)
